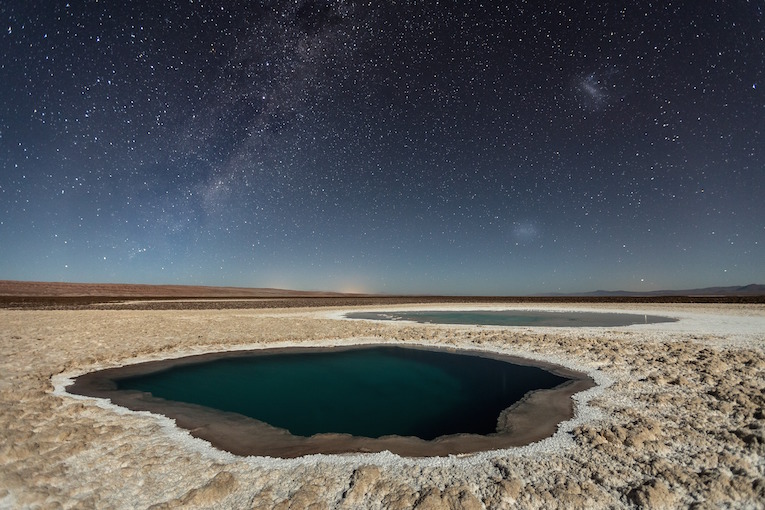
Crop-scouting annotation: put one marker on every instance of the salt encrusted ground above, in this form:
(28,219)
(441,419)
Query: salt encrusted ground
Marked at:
(679,419)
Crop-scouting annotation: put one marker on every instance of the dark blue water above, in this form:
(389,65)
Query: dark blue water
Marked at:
(369,392)
(516,318)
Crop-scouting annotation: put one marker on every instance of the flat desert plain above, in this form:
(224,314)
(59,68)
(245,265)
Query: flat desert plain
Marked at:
(677,418)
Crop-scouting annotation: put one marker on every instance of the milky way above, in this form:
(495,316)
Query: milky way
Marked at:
(428,147)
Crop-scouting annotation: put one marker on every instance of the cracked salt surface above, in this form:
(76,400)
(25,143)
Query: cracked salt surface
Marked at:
(675,421)
(561,440)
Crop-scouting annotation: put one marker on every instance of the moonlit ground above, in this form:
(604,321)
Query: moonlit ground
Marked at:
(675,420)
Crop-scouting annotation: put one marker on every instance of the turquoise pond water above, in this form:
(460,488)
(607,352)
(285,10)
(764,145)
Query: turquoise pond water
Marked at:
(369,392)
(516,318)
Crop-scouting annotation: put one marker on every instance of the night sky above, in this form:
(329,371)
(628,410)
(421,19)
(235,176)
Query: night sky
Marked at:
(495,147)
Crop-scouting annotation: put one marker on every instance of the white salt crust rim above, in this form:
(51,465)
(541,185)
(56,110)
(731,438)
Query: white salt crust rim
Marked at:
(560,440)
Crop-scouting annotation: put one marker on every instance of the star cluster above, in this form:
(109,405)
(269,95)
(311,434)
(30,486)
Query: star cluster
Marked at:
(414,146)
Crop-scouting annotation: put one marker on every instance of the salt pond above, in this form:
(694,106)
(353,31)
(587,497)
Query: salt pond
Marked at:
(369,392)
(515,318)
(291,402)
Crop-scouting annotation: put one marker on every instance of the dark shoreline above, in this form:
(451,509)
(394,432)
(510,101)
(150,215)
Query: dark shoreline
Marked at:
(534,418)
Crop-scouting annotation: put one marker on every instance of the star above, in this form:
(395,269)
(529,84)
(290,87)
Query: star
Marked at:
(404,145)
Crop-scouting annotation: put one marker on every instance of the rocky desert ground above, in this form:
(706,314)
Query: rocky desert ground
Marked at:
(677,419)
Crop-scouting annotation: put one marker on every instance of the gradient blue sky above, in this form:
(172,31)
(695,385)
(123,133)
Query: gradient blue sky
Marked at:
(398,147)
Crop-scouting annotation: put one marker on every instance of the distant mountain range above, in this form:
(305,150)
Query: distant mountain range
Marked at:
(745,290)
(9,288)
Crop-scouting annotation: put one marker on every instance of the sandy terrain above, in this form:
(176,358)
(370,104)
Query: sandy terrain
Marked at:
(106,290)
(678,418)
